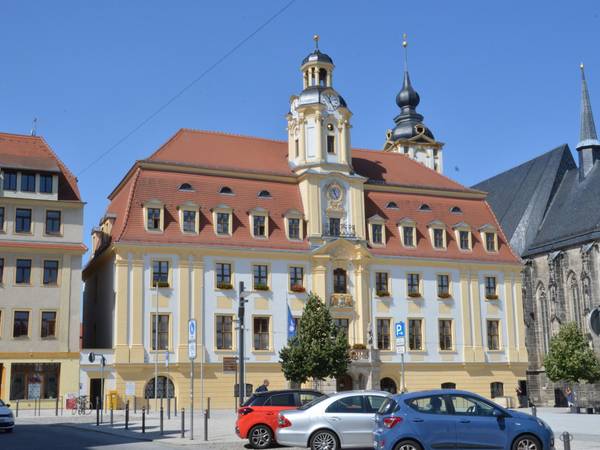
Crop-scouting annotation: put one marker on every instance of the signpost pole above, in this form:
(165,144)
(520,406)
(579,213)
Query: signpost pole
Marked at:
(192,357)
(403,382)
(241,314)
(401,348)
(192,403)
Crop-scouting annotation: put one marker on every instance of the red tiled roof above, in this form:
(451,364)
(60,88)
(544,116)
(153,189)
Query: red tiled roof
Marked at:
(33,153)
(475,213)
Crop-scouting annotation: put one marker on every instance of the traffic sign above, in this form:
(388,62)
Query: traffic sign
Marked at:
(192,339)
(400,331)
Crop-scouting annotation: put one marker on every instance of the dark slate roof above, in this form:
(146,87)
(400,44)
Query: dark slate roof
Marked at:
(520,196)
(574,216)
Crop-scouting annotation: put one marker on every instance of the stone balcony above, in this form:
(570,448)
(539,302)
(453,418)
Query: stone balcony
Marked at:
(341,301)
(363,354)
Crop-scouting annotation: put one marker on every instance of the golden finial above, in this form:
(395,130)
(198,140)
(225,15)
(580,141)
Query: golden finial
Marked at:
(316,39)
(581,66)
(404,41)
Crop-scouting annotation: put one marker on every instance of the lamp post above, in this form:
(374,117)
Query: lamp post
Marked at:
(241,313)
(157,285)
(91,359)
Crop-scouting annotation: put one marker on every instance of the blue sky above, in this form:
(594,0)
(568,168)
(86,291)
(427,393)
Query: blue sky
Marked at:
(499,81)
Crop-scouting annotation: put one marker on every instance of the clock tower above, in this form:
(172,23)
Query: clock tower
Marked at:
(319,152)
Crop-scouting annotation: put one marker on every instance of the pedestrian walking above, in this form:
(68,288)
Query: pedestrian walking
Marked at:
(570,397)
(263,387)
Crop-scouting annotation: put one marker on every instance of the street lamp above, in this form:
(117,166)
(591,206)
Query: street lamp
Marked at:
(91,359)
(157,285)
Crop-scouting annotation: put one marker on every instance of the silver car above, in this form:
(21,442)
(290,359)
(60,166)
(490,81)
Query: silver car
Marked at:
(331,422)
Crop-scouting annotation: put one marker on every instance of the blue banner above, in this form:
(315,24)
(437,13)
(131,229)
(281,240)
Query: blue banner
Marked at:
(291,324)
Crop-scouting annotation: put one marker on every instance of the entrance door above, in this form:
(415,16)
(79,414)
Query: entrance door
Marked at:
(344,383)
(96,391)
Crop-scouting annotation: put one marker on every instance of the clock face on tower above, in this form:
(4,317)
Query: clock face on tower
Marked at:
(332,101)
(334,192)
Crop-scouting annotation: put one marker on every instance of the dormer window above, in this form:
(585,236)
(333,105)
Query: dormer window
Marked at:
(437,234)
(392,205)
(463,236)
(10,181)
(424,207)
(455,210)
(259,221)
(27,182)
(153,222)
(264,194)
(293,224)
(154,216)
(490,242)
(377,230)
(186,187)
(408,233)
(489,236)
(438,238)
(46,184)
(189,221)
(226,190)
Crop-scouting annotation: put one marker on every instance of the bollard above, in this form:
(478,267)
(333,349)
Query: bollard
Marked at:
(143,420)
(134,404)
(97,413)
(56,407)
(182,422)
(161,419)
(206,424)
(147,405)
(111,415)
(534,410)
(169,408)
(17,408)
(127,415)
(62,404)
(208,406)
(566,438)
(175,400)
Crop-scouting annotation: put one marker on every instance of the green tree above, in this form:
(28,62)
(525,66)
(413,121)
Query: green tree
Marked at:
(570,358)
(319,350)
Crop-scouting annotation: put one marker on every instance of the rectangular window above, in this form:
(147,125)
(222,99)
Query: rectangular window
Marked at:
(50,272)
(294,228)
(163,331)
(222,223)
(153,219)
(464,240)
(381,284)
(330,144)
(443,286)
(224,332)
(23,220)
(377,230)
(160,273)
(415,334)
(23,275)
(46,184)
(10,181)
(334,226)
(52,222)
(1,273)
(28,182)
(408,234)
(493,334)
(224,276)
(261,333)
(48,324)
(189,221)
(414,284)
(1,218)
(438,238)
(445,332)
(383,334)
(260,229)
(21,324)
(490,242)
(34,381)
(343,326)
(297,279)
(490,287)
(260,277)
(296,148)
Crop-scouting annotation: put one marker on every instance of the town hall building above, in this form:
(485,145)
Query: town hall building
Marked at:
(381,236)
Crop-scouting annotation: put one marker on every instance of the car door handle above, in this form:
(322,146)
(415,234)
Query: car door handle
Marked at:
(335,419)
(465,421)
(418,420)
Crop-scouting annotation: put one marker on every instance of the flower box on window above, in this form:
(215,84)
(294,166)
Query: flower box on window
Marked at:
(414,294)
(359,347)
(383,294)
(224,286)
(444,295)
(261,287)
(492,296)
(298,288)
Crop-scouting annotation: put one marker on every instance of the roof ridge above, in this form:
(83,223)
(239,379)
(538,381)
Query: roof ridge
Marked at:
(227,133)
(128,207)
(28,136)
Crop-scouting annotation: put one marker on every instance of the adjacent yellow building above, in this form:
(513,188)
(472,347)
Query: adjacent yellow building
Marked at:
(380,236)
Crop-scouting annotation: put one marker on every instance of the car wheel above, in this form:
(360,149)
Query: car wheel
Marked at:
(324,440)
(527,442)
(260,436)
(408,445)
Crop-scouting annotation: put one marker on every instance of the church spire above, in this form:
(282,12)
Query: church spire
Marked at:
(587,134)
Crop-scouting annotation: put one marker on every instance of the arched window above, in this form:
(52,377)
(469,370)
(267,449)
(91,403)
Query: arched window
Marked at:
(496,389)
(186,187)
(544,316)
(455,210)
(424,207)
(166,389)
(226,190)
(388,385)
(264,194)
(449,385)
(339,281)
(575,303)
(392,205)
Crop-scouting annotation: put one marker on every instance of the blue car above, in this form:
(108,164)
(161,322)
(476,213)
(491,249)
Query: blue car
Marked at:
(452,419)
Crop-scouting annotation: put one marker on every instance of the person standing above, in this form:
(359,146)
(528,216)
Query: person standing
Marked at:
(263,387)
(570,397)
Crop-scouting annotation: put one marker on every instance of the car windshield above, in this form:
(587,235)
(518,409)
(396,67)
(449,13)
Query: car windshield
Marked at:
(313,402)
(256,400)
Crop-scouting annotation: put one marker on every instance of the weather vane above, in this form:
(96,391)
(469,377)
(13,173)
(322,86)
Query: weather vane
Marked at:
(316,39)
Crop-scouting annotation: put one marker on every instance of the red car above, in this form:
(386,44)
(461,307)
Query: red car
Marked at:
(257,419)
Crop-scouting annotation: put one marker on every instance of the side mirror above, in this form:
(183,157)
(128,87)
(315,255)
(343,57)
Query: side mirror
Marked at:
(499,414)
(8,405)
